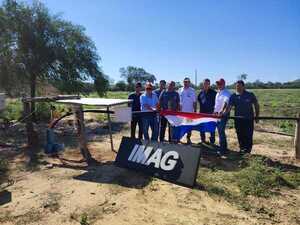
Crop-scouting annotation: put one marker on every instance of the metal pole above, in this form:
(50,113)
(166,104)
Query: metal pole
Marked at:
(297,138)
(110,130)
(196,78)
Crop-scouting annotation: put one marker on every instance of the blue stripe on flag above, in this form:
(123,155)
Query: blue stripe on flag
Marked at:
(180,131)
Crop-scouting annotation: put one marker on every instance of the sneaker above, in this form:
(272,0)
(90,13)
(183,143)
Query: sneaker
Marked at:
(219,153)
(242,151)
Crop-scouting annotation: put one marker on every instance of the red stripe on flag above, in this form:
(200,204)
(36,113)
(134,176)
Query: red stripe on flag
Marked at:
(187,114)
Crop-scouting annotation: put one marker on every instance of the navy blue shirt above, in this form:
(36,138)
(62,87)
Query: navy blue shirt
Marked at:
(243,104)
(157,92)
(135,104)
(207,100)
(169,100)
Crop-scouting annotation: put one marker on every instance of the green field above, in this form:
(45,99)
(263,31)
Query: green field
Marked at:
(273,102)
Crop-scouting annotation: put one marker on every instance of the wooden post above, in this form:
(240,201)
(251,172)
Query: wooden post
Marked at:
(110,130)
(297,138)
(79,118)
(32,138)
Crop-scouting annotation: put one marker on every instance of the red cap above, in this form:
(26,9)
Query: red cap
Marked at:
(221,81)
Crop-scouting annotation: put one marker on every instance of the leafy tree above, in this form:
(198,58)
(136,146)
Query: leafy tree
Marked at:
(135,74)
(37,46)
(243,76)
(120,86)
(101,85)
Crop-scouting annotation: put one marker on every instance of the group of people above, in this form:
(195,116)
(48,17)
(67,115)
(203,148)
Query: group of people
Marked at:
(217,102)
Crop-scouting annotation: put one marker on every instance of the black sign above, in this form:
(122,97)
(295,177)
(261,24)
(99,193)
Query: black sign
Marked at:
(172,162)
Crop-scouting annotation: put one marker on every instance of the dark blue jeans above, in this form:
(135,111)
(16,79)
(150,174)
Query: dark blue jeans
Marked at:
(150,121)
(222,135)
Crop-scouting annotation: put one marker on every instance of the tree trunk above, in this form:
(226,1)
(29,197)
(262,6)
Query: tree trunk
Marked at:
(32,95)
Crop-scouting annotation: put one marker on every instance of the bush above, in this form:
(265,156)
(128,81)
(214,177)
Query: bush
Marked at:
(13,110)
(43,112)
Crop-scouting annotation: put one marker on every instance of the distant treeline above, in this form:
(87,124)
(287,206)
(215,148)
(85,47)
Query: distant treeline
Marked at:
(271,85)
(123,86)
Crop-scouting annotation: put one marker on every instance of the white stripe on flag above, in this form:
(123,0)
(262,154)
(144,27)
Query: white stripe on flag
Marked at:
(181,121)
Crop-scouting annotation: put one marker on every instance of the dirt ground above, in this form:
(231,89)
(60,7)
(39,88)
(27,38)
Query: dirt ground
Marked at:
(66,191)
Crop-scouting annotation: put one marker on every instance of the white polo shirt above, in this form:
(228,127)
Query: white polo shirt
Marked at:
(222,97)
(187,99)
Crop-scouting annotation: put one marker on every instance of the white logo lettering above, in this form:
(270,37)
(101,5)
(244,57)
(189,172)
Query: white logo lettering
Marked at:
(171,162)
(140,154)
(155,158)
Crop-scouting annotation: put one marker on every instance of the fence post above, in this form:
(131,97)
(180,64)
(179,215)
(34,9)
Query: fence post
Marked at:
(297,138)
(79,118)
(29,124)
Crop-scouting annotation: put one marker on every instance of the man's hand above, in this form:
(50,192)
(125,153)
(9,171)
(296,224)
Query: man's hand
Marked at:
(148,107)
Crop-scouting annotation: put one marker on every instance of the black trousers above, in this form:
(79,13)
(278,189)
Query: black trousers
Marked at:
(163,125)
(244,130)
(136,121)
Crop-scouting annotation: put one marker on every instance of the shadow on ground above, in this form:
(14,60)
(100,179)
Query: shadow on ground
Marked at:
(108,173)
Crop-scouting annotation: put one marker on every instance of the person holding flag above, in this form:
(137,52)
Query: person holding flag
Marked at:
(206,99)
(220,110)
(188,102)
(169,100)
(149,102)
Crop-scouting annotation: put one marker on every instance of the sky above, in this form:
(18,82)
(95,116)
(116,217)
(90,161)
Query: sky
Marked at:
(219,38)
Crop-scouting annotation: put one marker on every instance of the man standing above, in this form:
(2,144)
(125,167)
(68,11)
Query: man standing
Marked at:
(206,99)
(243,102)
(149,102)
(162,87)
(188,102)
(136,106)
(221,103)
(168,100)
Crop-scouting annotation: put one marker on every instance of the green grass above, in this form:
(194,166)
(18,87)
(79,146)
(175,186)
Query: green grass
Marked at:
(279,102)
(252,177)
(84,219)
(273,102)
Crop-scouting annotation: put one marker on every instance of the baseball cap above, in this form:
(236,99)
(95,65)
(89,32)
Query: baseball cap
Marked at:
(220,81)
